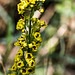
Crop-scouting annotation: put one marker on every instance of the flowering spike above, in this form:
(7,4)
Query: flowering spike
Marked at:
(30,38)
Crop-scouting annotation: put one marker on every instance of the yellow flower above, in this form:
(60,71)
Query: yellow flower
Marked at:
(20,43)
(14,67)
(24,71)
(19,27)
(26,4)
(42,23)
(30,70)
(36,28)
(20,8)
(33,42)
(30,45)
(24,44)
(20,24)
(37,35)
(17,43)
(38,21)
(38,43)
(31,5)
(20,53)
(33,19)
(31,63)
(39,39)
(23,36)
(17,59)
(29,56)
(22,21)
(32,1)
(21,39)
(34,48)
(41,10)
(23,30)
(20,64)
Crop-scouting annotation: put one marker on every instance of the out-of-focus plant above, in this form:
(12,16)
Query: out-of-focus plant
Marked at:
(30,38)
(66,5)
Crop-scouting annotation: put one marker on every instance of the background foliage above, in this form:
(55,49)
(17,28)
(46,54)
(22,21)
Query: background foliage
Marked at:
(56,56)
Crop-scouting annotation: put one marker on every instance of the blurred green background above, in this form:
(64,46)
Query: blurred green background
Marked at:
(56,55)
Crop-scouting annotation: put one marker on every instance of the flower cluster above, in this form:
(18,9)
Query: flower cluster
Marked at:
(26,5)
(30,38)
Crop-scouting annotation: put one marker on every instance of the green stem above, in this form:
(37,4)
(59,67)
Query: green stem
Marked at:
(31,14)
(30,29)
(17,72)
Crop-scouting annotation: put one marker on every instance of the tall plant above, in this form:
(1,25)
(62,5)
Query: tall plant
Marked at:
(30,38)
